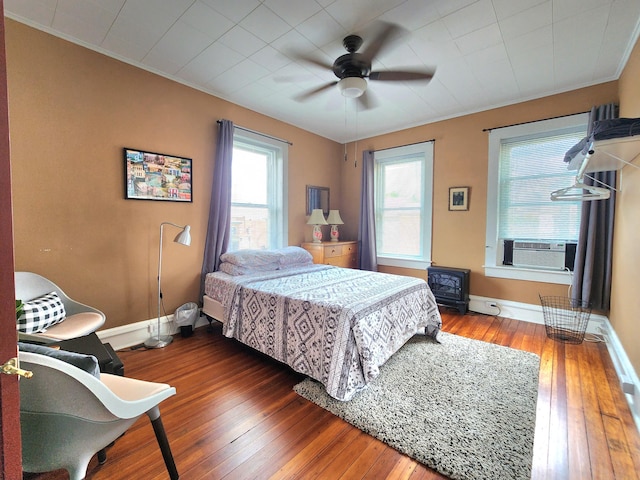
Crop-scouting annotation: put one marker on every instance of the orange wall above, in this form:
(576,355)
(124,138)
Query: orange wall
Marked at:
(72,111)
(625,301)
(460,159)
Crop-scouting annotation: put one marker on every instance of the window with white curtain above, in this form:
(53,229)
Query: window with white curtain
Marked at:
(526,163)
(258,192)
(403,205)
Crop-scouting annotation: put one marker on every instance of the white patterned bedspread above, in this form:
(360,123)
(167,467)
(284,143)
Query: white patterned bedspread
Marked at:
(336,325)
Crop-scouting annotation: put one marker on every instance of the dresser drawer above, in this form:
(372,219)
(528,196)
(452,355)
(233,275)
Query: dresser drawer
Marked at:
(333,251)
(338,254)
(350,249)
(346,261)
(336,261)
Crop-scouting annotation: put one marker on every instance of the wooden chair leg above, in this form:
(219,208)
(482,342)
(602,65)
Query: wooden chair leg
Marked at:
(163,442)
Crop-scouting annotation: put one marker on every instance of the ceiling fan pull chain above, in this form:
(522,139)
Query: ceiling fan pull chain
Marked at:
(355,152)
(346,155)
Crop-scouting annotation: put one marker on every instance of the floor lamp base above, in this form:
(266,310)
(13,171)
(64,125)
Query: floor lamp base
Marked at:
(158,342)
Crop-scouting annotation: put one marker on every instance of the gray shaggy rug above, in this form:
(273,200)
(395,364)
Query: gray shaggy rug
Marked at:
(463,407)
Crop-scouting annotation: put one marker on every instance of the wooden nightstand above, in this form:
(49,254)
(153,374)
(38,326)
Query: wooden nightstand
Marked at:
(338,254)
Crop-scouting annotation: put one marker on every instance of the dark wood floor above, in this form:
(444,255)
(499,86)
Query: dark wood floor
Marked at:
(235,416)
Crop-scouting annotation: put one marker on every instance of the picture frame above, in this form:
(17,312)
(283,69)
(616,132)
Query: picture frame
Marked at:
(157,176)
(317,197)
(458,198)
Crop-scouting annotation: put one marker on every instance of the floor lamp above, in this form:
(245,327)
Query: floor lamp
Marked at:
(183,238)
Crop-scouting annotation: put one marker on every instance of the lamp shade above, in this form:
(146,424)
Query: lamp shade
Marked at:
(184,237)
(334,218)
(317,218)
(352,87)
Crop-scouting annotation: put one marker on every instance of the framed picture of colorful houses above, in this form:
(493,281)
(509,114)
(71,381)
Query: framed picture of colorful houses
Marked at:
(157,176)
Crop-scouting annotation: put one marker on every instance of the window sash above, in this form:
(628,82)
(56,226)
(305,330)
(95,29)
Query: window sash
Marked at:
(404,215)
(258,215)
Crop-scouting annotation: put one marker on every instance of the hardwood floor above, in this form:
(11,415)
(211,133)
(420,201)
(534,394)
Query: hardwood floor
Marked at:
(235,415)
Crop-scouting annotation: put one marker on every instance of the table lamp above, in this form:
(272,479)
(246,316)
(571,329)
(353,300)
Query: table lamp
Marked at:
(334,220)
(316,219)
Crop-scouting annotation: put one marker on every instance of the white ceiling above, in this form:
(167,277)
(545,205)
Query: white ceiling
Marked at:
(487,53)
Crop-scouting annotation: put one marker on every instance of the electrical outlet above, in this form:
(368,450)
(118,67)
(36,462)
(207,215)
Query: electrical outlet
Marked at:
(491,304)
(628,388)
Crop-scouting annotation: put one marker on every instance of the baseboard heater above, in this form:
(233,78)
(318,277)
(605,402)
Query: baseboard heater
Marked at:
(539,254)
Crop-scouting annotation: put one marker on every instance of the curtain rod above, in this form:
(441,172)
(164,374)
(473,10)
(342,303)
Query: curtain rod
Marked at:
(407,145)
(260,133)
(532,121)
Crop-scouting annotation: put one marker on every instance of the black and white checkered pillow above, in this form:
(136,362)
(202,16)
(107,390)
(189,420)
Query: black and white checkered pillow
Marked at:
(41,313)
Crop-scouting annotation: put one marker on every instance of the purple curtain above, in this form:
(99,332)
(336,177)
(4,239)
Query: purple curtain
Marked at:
(367,226)
(220,207)
(592,269)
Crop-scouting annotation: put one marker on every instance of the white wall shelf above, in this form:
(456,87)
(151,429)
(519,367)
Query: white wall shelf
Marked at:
(611,154)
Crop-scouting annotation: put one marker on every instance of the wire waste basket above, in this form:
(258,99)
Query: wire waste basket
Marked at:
(565,319)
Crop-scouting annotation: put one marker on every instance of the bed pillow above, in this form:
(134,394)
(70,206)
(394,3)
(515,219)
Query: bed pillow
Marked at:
(235,270)
(294,257)
(41,313)
(263,259)
(88,363)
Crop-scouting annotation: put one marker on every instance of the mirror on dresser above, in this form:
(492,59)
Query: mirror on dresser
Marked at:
(317,197)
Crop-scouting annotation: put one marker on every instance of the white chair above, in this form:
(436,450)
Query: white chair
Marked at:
(80,319)
(68,415)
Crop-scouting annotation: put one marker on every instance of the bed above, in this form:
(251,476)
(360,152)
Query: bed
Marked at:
(335,325)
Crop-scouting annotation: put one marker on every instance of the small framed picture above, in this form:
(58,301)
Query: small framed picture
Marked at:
(459,198)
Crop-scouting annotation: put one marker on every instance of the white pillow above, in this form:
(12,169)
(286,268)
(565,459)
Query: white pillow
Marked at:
(252,258)
(235,270)
(294,257)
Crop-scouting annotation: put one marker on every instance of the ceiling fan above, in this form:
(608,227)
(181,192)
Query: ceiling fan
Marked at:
(353,68)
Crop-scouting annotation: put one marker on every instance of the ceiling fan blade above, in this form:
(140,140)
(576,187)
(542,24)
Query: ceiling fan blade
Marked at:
(386,33)
(402,76)
(313,61)
(301,97)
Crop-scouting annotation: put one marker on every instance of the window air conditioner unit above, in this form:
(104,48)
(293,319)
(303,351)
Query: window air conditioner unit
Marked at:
(539,254)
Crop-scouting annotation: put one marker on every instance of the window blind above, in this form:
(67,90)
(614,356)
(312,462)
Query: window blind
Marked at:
(531,168)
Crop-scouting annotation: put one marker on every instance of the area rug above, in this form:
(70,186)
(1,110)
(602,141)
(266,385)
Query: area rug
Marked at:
(463,407)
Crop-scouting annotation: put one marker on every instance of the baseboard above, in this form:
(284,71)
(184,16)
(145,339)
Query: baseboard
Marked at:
(626,373)
(133,334)
(598,325)
(524,311)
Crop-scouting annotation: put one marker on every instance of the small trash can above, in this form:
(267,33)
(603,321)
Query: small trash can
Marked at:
(185,317)
(565,319)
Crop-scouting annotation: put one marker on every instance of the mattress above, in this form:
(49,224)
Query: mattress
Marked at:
(335,325)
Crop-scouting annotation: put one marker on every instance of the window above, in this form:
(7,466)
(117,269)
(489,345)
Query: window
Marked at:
(258,190)
(526,163)
(403,203)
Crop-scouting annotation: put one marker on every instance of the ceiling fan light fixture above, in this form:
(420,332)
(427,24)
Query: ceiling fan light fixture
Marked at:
(352,87)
